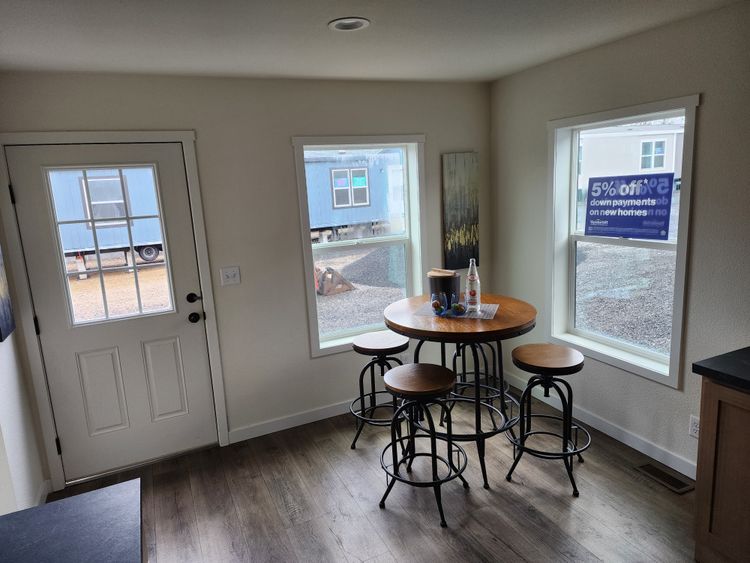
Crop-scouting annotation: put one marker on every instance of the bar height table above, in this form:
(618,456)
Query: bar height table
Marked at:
(513,318)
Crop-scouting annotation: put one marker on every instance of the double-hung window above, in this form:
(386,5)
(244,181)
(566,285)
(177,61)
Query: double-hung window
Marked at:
(350,187)
(620,209)
(362,252)
(652,154)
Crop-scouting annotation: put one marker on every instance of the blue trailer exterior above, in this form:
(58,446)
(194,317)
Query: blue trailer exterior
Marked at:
(76,228)
(320,198)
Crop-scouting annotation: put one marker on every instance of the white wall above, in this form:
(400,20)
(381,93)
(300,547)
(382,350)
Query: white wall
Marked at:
(21,465)
(244,129)
(709,55)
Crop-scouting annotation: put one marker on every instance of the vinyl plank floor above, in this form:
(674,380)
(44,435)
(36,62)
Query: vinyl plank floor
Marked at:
(304,495)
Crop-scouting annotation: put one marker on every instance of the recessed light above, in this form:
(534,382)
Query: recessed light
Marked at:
(352,23)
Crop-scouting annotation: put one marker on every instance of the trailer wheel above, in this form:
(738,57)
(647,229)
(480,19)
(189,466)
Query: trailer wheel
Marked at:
(148,253)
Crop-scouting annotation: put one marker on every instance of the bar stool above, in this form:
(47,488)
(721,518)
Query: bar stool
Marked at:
(382,346)
(420,386)
(548,362)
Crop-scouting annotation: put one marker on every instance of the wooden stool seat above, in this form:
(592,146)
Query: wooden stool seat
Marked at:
(419,380)
(547,359)
(382,343)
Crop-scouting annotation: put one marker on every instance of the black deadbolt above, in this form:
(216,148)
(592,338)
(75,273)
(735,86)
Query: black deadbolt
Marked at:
(192,297)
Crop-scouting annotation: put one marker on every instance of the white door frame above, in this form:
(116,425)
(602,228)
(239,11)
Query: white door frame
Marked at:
(24,309)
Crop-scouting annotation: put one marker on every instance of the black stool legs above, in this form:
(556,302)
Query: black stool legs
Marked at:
(366,414)
(569,432)
(393,464)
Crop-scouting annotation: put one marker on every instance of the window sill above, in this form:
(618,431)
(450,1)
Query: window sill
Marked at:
(343,343)
(627,361)
(336,346)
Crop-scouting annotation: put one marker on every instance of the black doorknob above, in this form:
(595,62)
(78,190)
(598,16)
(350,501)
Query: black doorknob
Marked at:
(194,317)
(192,297)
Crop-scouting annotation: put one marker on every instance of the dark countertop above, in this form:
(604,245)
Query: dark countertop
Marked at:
(100,526)
(732,368)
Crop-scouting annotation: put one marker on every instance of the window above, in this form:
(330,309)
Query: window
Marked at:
(363,252)
(360,187)
(652,154)
(111,242)
(619,235)
(350,187)
(106,197)
(341,188)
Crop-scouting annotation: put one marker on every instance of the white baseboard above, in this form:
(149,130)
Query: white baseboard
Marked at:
(45,488)
(284,422)
(654,451)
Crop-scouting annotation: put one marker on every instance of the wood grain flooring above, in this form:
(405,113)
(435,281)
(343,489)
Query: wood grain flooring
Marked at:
(304,495)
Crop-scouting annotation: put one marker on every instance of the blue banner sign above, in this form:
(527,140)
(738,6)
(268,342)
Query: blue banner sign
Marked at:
(630,206)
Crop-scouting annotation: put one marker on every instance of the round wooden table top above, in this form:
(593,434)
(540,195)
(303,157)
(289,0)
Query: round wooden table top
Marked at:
(513,318)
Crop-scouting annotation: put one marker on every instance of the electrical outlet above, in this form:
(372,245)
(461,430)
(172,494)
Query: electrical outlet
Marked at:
(695,426)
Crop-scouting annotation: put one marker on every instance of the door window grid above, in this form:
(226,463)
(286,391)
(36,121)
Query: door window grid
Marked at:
(126,221)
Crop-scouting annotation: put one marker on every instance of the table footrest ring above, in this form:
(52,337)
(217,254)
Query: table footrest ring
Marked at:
(502,425)
(492,393)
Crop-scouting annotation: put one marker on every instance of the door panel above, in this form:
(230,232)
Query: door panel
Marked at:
(108,238)
(102,391)
(166,380)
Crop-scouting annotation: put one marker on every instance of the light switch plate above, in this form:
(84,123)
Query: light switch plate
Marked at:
(230,275)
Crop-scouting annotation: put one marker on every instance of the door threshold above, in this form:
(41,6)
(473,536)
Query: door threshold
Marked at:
(137,465)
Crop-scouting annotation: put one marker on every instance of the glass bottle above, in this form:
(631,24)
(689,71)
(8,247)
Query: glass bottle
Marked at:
(473,292)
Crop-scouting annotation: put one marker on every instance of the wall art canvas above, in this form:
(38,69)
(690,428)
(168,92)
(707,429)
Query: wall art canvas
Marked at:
(460,209)
(7,322)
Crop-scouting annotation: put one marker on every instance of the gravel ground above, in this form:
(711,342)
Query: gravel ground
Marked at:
(376,286)
(626,293)
(121,296)
(362,306)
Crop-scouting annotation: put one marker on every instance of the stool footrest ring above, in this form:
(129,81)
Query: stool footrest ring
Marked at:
(571,450)
(365,413)
(453,469)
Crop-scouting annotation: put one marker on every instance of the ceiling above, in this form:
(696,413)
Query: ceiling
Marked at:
(407,39)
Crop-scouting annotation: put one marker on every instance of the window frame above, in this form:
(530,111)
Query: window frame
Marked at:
(411,240)
(347,189)
(562,237)
(92,224)
(366,187)
(652,155)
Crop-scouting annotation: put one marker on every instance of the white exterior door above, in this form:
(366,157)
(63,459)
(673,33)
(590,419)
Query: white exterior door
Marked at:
(108,238)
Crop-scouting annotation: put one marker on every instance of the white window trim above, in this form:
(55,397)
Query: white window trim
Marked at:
(561,135)
(414,256)
(653,155)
